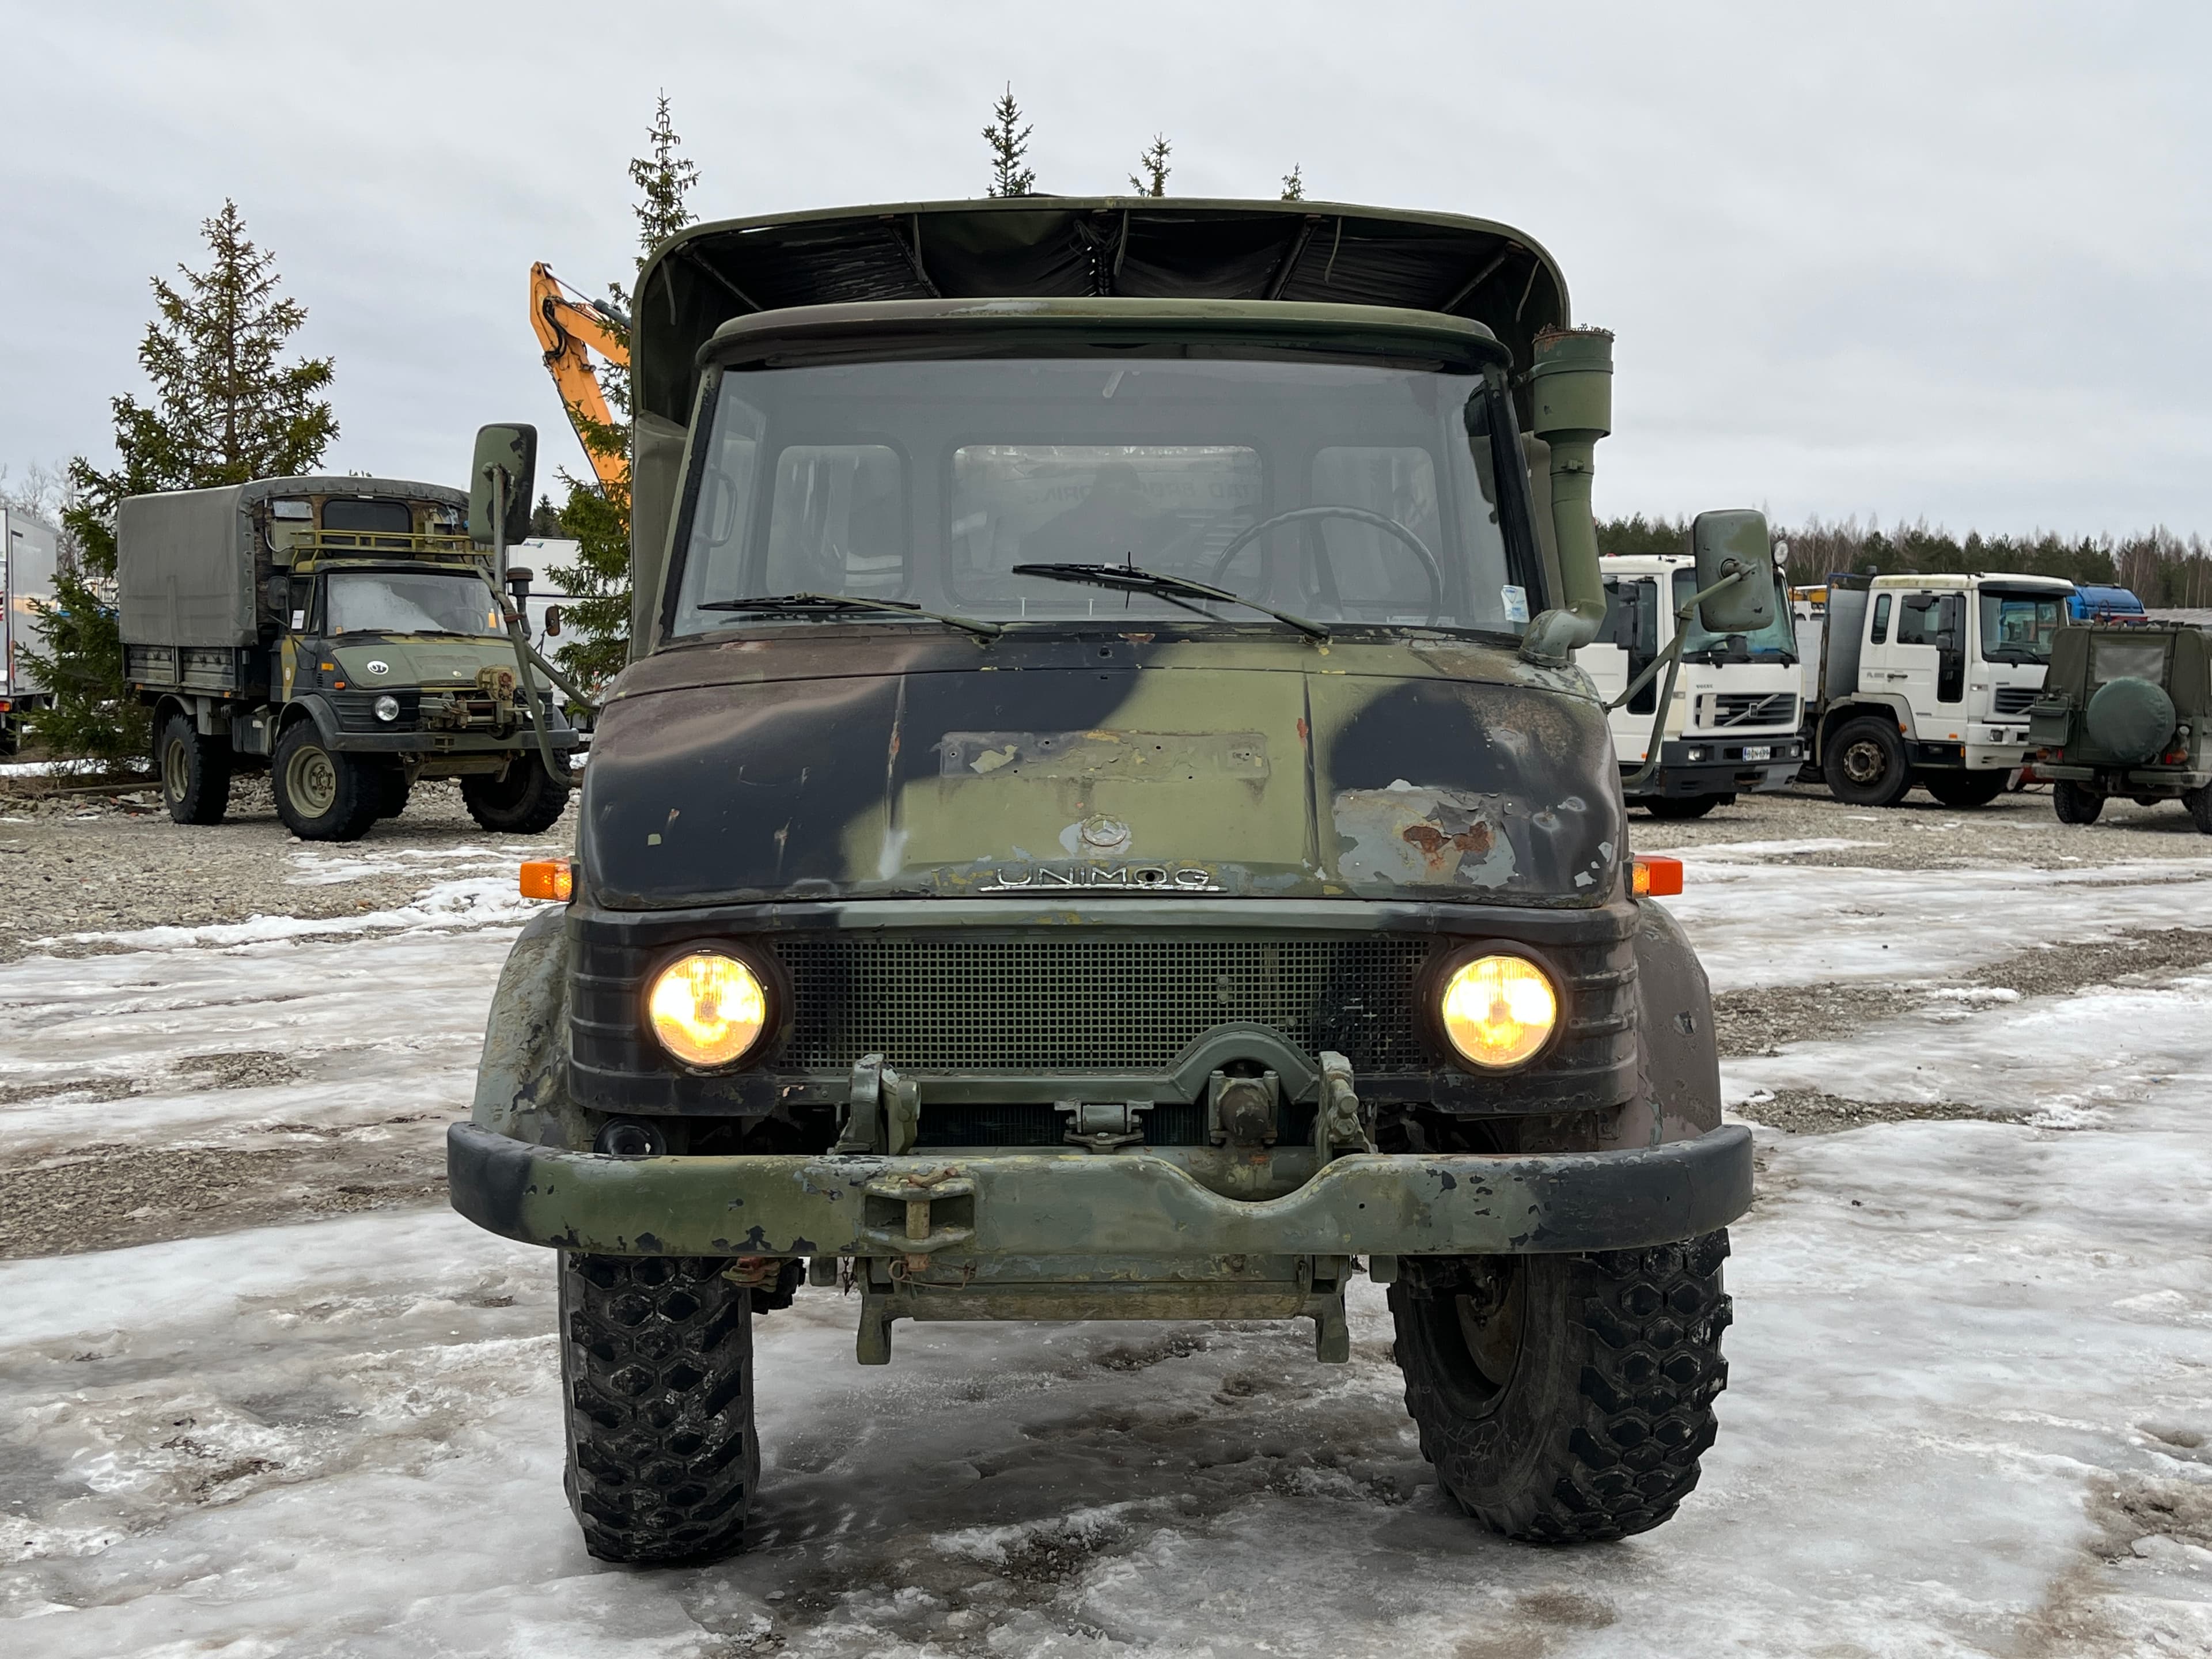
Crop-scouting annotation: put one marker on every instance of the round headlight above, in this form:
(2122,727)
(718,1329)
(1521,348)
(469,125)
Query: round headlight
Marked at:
(386,707)
(708,1009)
(1498,1011)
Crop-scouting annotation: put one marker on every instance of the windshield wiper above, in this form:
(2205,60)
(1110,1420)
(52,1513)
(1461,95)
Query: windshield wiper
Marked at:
(799,604)
(1176,590)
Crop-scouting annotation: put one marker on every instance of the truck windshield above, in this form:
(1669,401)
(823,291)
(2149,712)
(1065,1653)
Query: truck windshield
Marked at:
(1776,642)
(1351,494)
(2018,627)
(409,602)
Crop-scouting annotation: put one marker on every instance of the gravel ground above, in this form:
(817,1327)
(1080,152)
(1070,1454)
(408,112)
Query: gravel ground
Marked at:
(88,863)
(1921,833)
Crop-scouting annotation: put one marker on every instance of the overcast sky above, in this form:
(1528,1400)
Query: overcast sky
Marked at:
(1941,260)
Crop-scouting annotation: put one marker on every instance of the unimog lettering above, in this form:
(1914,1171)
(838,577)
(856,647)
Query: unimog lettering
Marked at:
(1103,820)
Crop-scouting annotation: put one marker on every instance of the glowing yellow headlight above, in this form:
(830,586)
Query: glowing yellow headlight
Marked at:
(1498,1011)
(708,1009)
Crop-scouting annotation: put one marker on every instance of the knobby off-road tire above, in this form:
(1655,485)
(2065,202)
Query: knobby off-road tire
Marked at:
(1960,789)
(1864,763)
(1690,807)
(2073,803)
(195,771)
(1566,1400)
(656,1367)
(2199,802)
(528,801)
(322,795)
(395,789)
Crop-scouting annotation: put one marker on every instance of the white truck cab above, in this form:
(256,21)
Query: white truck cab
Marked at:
(1733,724)
(1925,680)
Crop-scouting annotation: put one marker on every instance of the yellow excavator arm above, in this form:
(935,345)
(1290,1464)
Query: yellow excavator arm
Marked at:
(570,331)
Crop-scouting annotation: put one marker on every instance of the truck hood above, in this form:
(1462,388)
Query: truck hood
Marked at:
(418,660)
(773,769)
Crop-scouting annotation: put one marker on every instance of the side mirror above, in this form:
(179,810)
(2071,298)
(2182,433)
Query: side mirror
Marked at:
(552,622)
(511,453)
(1724,544)
(276,594)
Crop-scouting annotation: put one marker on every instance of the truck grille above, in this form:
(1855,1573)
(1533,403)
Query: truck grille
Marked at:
(2015,699)
(1718,710)
(949,1002)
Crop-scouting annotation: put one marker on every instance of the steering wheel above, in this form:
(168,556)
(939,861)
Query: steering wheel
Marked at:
(1357,515)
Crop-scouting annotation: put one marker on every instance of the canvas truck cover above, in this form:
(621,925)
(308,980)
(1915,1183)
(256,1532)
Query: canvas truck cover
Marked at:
(187,562)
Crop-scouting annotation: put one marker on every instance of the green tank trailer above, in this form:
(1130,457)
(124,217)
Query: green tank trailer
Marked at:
(2124,712)
(347,635)
(1103,821)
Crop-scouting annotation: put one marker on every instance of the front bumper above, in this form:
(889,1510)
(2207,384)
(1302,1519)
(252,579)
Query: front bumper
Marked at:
(1721,766)
(959,1206)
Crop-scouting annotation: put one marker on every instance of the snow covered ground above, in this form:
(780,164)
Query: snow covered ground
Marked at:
(1970,1410)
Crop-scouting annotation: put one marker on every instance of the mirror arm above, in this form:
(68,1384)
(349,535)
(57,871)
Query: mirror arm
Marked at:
(499,480)
(1671,660)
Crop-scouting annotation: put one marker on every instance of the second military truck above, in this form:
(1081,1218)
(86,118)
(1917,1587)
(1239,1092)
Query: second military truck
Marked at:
(345,633)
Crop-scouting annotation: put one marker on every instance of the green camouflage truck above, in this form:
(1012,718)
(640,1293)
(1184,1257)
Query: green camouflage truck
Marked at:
(1103,821)
(346,635)
(2124,712)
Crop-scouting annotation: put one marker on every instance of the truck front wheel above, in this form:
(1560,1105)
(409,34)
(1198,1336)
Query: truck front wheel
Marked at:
(2073,803)
(2199,802)
(528,801)
(1864,763)
(656,1369)
(195,771)
(322,795)
(1565,1399)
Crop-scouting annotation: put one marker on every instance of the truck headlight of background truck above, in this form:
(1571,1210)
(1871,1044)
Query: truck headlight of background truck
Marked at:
(1498,1011)
(386,707)
(708,1009)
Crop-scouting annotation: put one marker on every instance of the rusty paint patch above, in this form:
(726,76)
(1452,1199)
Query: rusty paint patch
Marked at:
(1408,835)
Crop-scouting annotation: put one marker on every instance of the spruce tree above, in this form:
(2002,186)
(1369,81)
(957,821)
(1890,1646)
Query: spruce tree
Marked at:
(1150,177)
(596,516)
(225,409)
(1008,136)
(1294,184)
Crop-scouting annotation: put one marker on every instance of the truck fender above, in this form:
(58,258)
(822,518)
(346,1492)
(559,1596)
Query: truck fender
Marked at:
(1678,1064)
(522,1080)
(1875,702)
(315,708)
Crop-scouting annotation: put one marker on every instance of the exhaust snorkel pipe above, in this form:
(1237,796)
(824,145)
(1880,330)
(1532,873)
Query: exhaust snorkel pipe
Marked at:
(1571,395)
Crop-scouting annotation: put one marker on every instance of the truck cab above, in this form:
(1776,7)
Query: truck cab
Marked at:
(1926,680)
(1102,821)
(346,634)
(1732,724)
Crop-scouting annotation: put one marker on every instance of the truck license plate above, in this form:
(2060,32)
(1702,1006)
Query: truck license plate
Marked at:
(1765,752)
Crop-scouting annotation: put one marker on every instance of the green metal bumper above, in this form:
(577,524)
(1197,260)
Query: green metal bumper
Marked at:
(1131,1203)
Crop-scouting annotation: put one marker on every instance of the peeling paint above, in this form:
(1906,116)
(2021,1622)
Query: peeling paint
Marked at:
(1410,835)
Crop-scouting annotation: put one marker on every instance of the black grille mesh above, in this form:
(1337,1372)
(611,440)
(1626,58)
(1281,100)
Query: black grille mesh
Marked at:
(2015,699)
(969,1003)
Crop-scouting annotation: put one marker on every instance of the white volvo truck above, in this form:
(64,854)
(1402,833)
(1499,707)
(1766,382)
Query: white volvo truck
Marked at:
(1925,680)
(1732,724)
(28,548)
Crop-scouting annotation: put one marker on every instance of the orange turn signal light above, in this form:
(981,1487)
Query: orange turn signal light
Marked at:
(549,879)
(1654,875)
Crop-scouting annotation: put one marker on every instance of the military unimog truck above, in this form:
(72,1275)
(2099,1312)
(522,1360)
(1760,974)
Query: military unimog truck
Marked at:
(1924,679)
(346,634)
(2124,712)
(1104,823)
(1731,726)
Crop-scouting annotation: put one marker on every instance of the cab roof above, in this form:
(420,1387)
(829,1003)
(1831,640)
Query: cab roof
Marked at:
(1052,248)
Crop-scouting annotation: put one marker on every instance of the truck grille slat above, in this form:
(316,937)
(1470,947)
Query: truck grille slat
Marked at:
(2015,699)
(1720,709)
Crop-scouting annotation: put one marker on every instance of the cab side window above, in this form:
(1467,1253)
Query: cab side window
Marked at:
(1920,619)
(1881,633)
